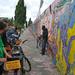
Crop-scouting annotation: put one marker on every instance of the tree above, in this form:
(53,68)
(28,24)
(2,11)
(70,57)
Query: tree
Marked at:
(26,24)
(30,22)
(20,14)
(11,20)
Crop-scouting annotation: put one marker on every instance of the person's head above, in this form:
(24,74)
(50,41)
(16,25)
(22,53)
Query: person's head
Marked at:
(16,28)
(2,27)
(7,23)
(43,27)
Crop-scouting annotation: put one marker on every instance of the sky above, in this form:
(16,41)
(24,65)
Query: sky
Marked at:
(7,8)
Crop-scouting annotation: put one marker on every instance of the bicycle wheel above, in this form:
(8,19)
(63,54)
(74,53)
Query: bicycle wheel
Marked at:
(26,65)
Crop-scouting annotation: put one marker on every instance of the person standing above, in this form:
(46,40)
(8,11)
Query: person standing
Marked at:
(3,52)
(45,39)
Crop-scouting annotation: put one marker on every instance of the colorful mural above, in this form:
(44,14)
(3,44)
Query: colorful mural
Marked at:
(61,26)
(66,35)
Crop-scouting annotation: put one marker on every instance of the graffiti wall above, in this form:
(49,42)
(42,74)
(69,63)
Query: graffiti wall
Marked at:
(60,21)
(64,28)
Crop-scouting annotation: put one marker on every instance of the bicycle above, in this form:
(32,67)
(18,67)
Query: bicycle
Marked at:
(39,42)
(48,49)
(18,54)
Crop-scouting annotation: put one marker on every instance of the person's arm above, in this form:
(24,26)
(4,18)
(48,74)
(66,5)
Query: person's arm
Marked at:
(3,59)
(15,35)
(7,54)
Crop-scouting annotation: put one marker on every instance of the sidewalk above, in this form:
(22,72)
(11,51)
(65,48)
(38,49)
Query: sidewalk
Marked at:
(41,65)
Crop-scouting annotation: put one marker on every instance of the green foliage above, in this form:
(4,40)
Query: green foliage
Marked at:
(30,22)
(11,20)
(26,24)
(20,14)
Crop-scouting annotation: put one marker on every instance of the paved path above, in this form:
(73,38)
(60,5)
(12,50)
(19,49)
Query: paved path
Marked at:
(41,65)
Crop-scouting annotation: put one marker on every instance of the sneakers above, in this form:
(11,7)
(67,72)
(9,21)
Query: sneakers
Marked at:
(42,53)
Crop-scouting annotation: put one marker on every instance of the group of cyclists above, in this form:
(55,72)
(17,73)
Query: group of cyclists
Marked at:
(8,36)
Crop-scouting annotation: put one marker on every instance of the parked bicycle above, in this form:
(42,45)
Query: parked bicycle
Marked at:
(48,49)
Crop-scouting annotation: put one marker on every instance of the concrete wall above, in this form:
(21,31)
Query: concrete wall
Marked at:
(61,26)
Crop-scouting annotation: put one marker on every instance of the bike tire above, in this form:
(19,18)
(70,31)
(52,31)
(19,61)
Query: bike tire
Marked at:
(26,64)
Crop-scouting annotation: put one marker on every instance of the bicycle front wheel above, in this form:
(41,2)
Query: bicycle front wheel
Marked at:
(26,65)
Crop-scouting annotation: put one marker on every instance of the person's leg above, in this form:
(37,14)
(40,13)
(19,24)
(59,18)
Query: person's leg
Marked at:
(16,72)
(37,42)
(43,47)
(1,69)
